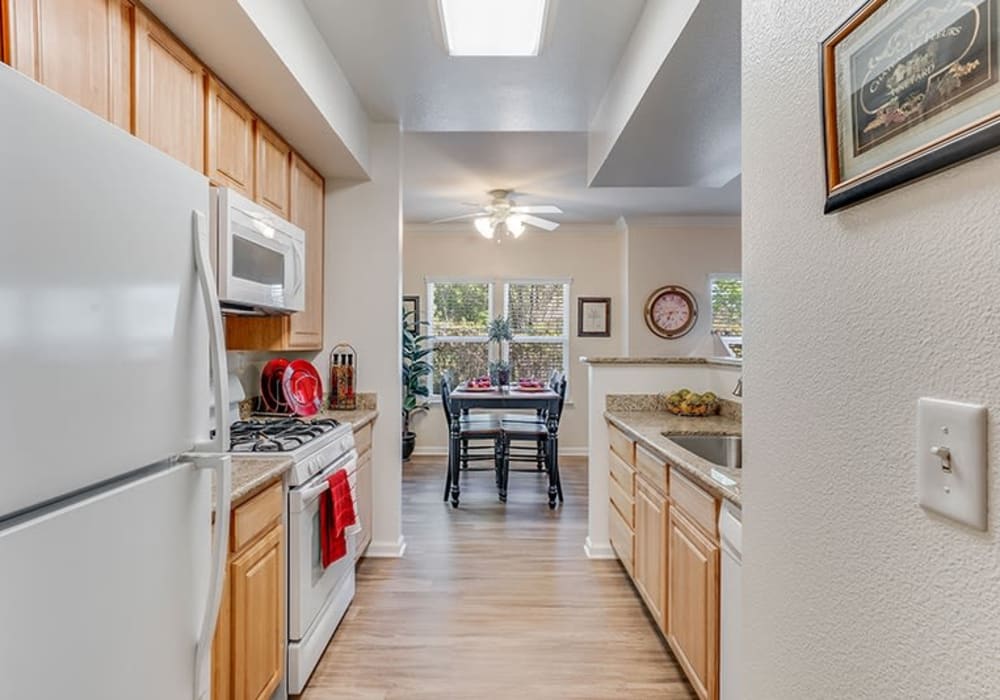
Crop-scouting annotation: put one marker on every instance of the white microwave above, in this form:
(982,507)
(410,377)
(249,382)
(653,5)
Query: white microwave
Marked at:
(261,258)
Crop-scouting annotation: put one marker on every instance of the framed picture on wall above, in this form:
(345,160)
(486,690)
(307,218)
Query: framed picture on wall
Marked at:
(593,317)
(412,303)
(909,87)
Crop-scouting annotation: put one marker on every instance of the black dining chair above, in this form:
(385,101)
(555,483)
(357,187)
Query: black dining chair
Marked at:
(556,377)
(528,441)
(479,440)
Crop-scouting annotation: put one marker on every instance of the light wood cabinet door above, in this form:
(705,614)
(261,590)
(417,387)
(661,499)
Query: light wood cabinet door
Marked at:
(169,93)
(231,140)
(650,548)
(365,502)
(273,166)
(222,652)
(81,49)
(306,211)
(693,596)
(257,580)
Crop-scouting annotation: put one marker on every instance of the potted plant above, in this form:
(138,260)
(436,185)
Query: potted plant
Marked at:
(499,332)
(416,369)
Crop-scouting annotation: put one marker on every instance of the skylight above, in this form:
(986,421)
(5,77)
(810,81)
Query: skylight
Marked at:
(493,27)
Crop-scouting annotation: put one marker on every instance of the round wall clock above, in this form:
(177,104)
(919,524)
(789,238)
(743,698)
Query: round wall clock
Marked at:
(671,311)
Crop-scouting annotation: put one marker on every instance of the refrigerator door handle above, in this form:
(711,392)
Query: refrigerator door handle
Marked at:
(218,460)
(213,312)
(222,464)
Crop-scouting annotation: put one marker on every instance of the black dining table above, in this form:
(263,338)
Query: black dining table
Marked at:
(545,402)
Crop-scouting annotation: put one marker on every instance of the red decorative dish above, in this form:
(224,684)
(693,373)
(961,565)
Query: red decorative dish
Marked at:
(271,393)
(303,388)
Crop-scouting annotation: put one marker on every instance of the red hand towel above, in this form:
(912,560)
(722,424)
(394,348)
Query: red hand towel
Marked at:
(336,514)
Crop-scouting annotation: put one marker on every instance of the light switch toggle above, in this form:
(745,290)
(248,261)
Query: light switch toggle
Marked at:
(952,466)
(944,454)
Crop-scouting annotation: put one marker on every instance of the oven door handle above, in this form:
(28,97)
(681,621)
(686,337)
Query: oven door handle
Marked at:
(309,494)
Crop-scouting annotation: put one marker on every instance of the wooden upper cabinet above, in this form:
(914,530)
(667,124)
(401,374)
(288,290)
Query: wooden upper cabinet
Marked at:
(81,49)
(306,209)
(273,165)
(230,140)
(693,601)
(169,93)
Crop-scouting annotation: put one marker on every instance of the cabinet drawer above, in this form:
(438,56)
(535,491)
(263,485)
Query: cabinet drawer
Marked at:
(363,439)
(622,501)
(651,467)
(696,503)
(621,444)
(622,540)
(255,516)
(623,473)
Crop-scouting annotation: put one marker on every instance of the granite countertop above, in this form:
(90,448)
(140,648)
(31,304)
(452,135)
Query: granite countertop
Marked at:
(251,474)
(646,427)
(718,361)
(358,418)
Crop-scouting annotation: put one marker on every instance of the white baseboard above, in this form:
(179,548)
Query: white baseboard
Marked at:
(386,550)
(437,451)
(598,551)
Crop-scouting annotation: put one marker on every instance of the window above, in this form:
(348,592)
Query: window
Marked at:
(458,314)
(726,292)
(539,318)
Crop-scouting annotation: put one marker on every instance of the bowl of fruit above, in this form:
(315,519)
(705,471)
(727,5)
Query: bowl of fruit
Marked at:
(685,402)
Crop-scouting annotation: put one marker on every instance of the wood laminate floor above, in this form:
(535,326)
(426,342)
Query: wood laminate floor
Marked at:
(495,601)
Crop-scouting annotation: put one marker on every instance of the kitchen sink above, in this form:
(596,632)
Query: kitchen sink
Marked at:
(724,450)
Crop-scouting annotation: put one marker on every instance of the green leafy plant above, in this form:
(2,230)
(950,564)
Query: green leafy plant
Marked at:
(416,369)
(499,331)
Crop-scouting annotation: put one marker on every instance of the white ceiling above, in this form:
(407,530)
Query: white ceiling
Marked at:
(394,55)
(475,124)
(443,170)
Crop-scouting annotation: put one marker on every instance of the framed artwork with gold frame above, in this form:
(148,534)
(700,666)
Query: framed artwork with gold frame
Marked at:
(909,87)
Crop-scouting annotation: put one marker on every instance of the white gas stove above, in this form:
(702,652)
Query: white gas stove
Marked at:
(318,597)
(311,444)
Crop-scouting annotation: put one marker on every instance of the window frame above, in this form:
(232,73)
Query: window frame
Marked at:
(712,279)
(563,339)
(429,284)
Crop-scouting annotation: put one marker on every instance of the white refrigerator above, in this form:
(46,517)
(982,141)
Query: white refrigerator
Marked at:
(111,350)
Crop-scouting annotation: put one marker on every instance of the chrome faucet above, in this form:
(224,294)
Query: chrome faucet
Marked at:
(738,389)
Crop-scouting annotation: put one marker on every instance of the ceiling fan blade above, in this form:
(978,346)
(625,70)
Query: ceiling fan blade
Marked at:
(537,209)
(459,218)
(540,223)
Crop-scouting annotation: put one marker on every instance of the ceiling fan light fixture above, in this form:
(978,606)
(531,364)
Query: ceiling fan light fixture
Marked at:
(515,225)
(485,226)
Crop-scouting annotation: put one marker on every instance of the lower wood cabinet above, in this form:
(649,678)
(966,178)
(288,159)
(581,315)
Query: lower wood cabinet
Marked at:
(365,504)
(693,603)
(258,617)
(651,548)
(248,653)
(662,526)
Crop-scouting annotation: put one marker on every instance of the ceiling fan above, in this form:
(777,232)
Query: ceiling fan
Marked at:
(504,210)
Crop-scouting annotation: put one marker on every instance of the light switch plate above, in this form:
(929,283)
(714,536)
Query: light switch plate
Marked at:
(952,481)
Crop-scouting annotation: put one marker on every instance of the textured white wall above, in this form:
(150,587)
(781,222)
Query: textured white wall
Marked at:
(364,239)
(850,589)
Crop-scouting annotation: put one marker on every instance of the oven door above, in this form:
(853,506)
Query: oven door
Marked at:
(310,585)
(261,257)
